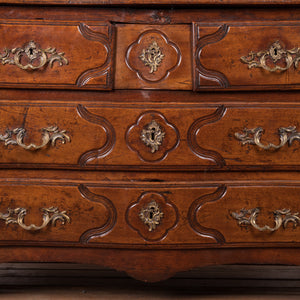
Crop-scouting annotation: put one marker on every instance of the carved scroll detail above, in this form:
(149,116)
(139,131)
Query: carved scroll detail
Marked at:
(111,220)
(200,70)
(253,137)
(108,129)
(105,68)
(155,59)
(152,216)
(192,135)
(281,218)
(135,137)
(195,208)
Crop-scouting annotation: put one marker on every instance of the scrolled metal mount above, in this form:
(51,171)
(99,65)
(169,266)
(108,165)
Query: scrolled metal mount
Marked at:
(153,136)
(32,57)
(253,137)
(152,57)
(151,215)
(273,59)
(50,215)
(49,136)
(281,218)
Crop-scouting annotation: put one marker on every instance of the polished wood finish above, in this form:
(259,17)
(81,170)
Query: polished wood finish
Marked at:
(161,145)
(219,49)
(88,67)
(174,71)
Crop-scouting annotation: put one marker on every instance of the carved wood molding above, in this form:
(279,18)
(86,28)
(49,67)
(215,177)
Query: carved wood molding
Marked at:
(103,70)
(199,70)
(111,220)
(109,131)
(195,209)
(139,46)
(168,216)
(134,137)
(192,137)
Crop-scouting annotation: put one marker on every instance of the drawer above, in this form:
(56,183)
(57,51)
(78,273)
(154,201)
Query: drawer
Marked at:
(50,55)
(136,212)
(47,213)
(252,55)
(183,137)
(153,57)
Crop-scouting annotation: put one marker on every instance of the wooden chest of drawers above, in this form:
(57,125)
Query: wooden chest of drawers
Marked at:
(150,138)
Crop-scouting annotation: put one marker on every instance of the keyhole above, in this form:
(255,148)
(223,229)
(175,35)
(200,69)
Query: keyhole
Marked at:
(275,51)
(30,51)
(151,213)
(152,134)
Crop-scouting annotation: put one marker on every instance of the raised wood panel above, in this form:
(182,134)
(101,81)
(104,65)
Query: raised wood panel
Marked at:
(219,49)
(174,46)
(85,67)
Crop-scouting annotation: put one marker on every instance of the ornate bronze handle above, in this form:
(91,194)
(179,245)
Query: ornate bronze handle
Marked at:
(274,54)
(32,57)
(51,214)
(253,136)
(49,135)
(281,217)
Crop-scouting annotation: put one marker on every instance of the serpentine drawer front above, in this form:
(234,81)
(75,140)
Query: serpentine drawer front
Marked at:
(160,138)
(150,139)
(225,214)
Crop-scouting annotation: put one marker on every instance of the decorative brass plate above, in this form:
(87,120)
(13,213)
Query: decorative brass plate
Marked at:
(49,135)
(152,57)
(152,136)
(151,215)
(34,57)
(50,215)
(274,59)
(281,217)
(286,135)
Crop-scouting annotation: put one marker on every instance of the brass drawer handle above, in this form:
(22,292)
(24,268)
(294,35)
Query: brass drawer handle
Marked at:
(49,135)
(274,54)
(253,136)
(32,57)
(281,217)
(50,215)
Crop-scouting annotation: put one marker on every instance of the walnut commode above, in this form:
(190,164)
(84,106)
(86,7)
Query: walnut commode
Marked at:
(150,138)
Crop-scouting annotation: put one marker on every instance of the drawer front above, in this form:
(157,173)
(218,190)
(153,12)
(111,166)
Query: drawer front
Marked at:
(153,57)
(51,213)
(183,137)
(176,214)
(243,56)
(50,55)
